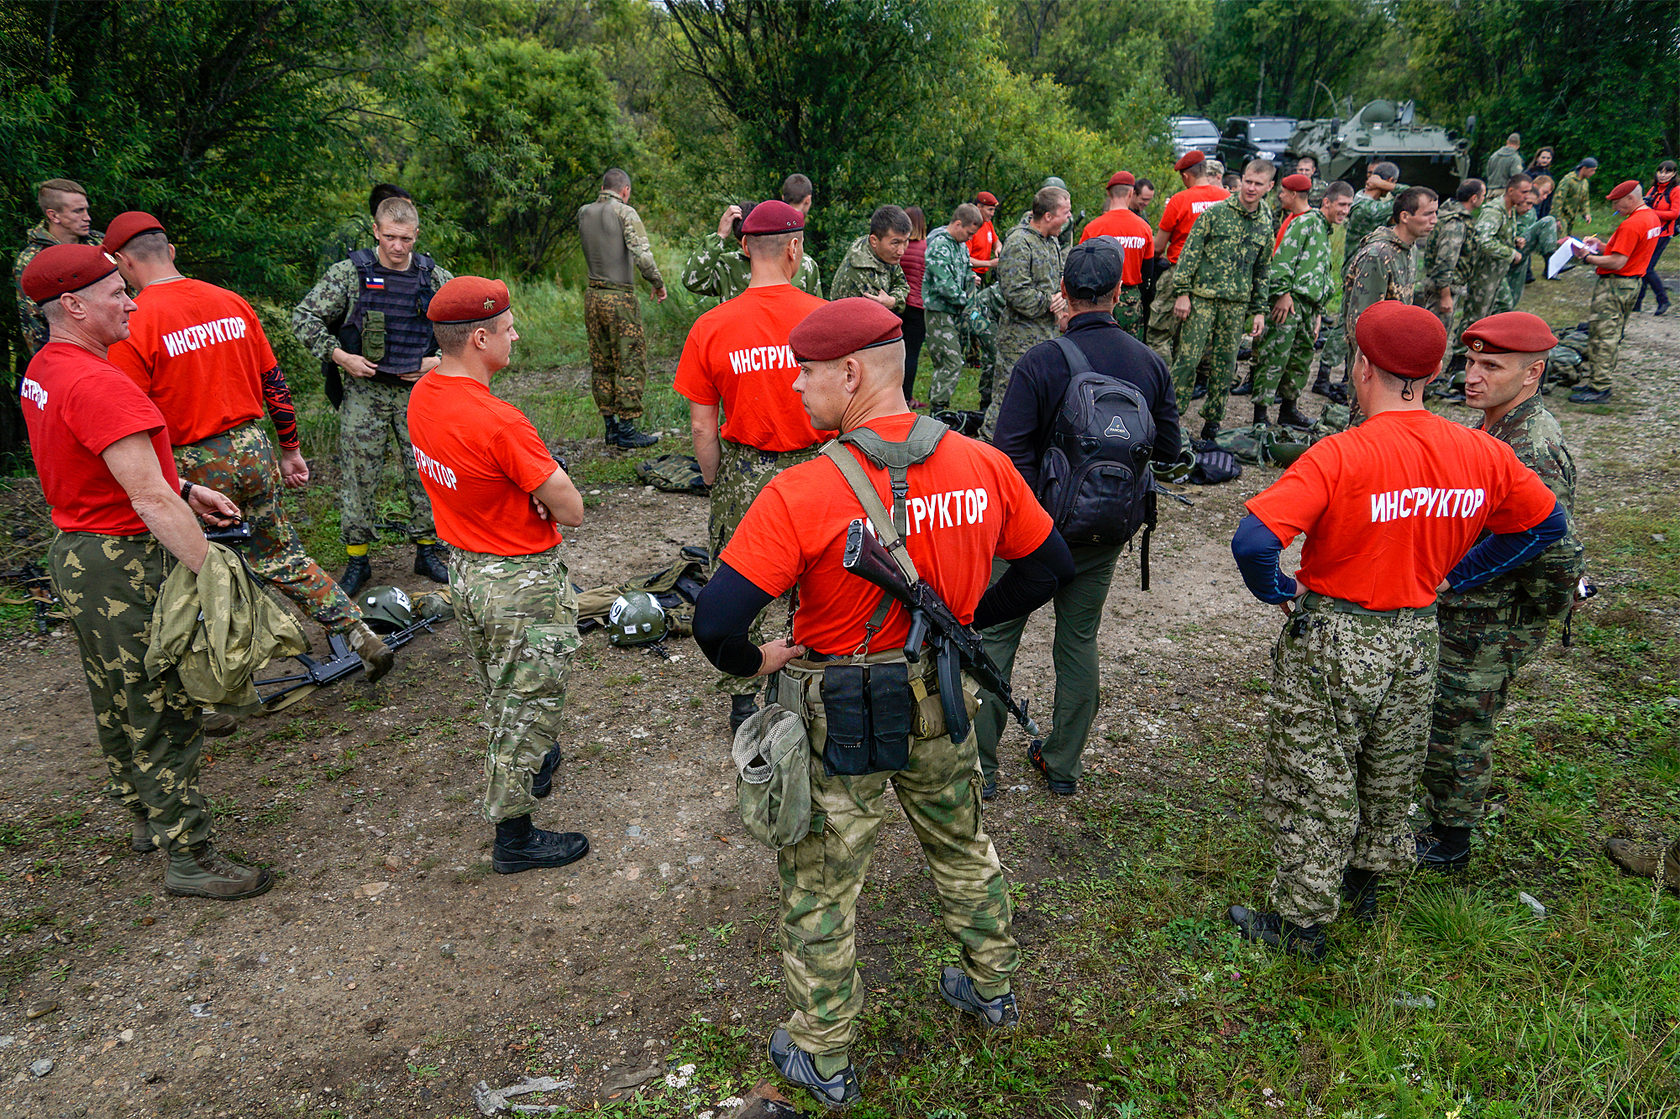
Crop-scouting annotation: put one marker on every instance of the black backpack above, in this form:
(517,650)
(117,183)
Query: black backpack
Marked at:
(1095,479)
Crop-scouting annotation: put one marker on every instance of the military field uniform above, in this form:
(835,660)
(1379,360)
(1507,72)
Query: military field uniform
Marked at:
(1489,261)
(1540,238)
(1571,205)
(720,269)
(1500,166)
(1301,267)
(614,242)
(375,409)
(947,287)
(29,315)
(1444,258)
(1333,355)
(1029,276)
(1489,633)
(1365,216)
(1381,268)
(1223,269)
(864,273)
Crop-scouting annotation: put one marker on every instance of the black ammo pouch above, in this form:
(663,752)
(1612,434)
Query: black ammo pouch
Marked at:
(871,717)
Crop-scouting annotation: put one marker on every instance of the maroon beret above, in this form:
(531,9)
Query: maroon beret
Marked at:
(985,198)
(1512,332)
(774,216)
(1622,190)
(1122,178)
(1401,339)
(1300,184)
(844,327)
(63,268)
(468,299)
(1189,159)
(128,225)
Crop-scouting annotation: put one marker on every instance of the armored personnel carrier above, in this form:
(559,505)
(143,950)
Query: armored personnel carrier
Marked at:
(1427,154)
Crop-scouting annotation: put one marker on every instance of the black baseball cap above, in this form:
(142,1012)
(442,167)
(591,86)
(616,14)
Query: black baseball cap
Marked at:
(1092,270)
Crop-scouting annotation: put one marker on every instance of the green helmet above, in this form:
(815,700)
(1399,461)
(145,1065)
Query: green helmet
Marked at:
(636,618)
(386,609)
(1053,181)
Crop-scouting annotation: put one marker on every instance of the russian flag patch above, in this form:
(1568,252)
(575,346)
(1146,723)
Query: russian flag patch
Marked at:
(374,283)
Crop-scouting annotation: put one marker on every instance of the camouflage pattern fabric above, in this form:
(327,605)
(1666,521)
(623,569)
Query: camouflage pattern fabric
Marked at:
(29,314)
(1302,264)
(1381,268)
(1570,204)
(1128,310)
(1496,629)
(1334,355)
(518,617)
(1540,239)
(948,283)
(718,268)
(861,272)
(1445,261)
(372,415)
(823,874)
(330,300)
(1347,723)
(1367,215)
(979,331)
(240,464)
(148,729)
(1283,357)
(1228,256)
(1499,168)
(1612,303)
(1029,276)
(615,243)
(1214,329)
(1486,263)
(617,351)
(1161,334)
(942,356)
(742,474)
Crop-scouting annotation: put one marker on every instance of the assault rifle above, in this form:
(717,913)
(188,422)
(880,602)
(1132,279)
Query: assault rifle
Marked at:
(278,692)
(956,646)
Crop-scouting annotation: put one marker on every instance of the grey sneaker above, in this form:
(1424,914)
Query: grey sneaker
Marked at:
(797,1067)
(201,873)
(956,988)
(377,657)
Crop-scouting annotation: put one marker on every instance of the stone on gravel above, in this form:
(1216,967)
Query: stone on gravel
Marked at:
(40,1009)
(40,1067)
(490,1100)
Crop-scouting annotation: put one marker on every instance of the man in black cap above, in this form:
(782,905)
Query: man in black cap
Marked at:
(1034,430)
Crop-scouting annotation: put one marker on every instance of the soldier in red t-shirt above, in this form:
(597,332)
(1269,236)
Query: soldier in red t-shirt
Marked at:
(199,352)
(983,246)
(962,505)
(1394,511)
(1621,267)
(499,499)
(1201,190)
(102,453)
(1137,248)
(736,360)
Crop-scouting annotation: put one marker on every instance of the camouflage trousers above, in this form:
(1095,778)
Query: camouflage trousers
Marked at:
(1283,358)
(371,416)
(1431,301)
(1014,338)
(1161,335)
(617,351)
(240,463)
(1612,303)
(1128,312)
(1346,725)
(943,356)
(518,617)
(1214,330)
(1333,358)
(823,874)
(1541,241)
(148,728)
(743,472)
(1480,291)
(1481,650)
(979,331)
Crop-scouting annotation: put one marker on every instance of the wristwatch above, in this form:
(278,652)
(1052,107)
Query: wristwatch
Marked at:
(186,488)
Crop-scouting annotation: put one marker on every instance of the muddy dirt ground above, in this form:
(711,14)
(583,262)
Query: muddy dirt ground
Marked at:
(389,971)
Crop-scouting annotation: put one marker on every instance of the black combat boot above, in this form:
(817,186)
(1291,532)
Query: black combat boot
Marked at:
(1359,892)
(1260,416)
(519,846)
(626,436)
(1321,383)
(429,561)
(356,575)
(543,783)
(741,708)
(1244,389)
(1210,428)
(1273,931)
(1290,416)
(1443,849)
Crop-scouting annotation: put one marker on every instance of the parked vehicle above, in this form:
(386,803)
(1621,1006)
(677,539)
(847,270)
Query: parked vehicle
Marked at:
(1427,154)
(1194,134)
(1245,138)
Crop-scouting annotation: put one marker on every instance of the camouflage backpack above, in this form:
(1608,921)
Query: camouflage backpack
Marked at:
(673,474)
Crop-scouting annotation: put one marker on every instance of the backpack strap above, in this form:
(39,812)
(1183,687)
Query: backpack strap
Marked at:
(1075,357)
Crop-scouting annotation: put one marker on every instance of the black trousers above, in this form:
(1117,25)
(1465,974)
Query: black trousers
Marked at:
(915,330)
(1652,281)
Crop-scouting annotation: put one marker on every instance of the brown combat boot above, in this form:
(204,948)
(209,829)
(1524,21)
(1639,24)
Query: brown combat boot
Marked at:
(199,872)
(1633,861)
(141,841)
(377,657)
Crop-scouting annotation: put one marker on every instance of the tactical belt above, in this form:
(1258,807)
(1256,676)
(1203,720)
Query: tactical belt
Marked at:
(767,457)
(1517,614)
(1312,600)
(608,285)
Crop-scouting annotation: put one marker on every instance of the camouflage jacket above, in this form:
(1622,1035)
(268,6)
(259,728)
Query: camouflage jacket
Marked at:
(1499,168)
(1381,268)
(330,300)
(1029,274)
(1571,202)
(29,314)
(864,273)
(721,269)
(1367,214)
(1301,265)
(1496,238)
(1549,579)
(1227,255)
(614,241)
(1445,256)
(949,282)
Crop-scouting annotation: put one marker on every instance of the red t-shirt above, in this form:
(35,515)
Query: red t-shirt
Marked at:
(199,352)
(1182,211)
(737,355)
(76,404)
(983,245)
(1637,237)
(1391,506)
(967,503)
(1137,240)
(1283,226)
(479,459)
